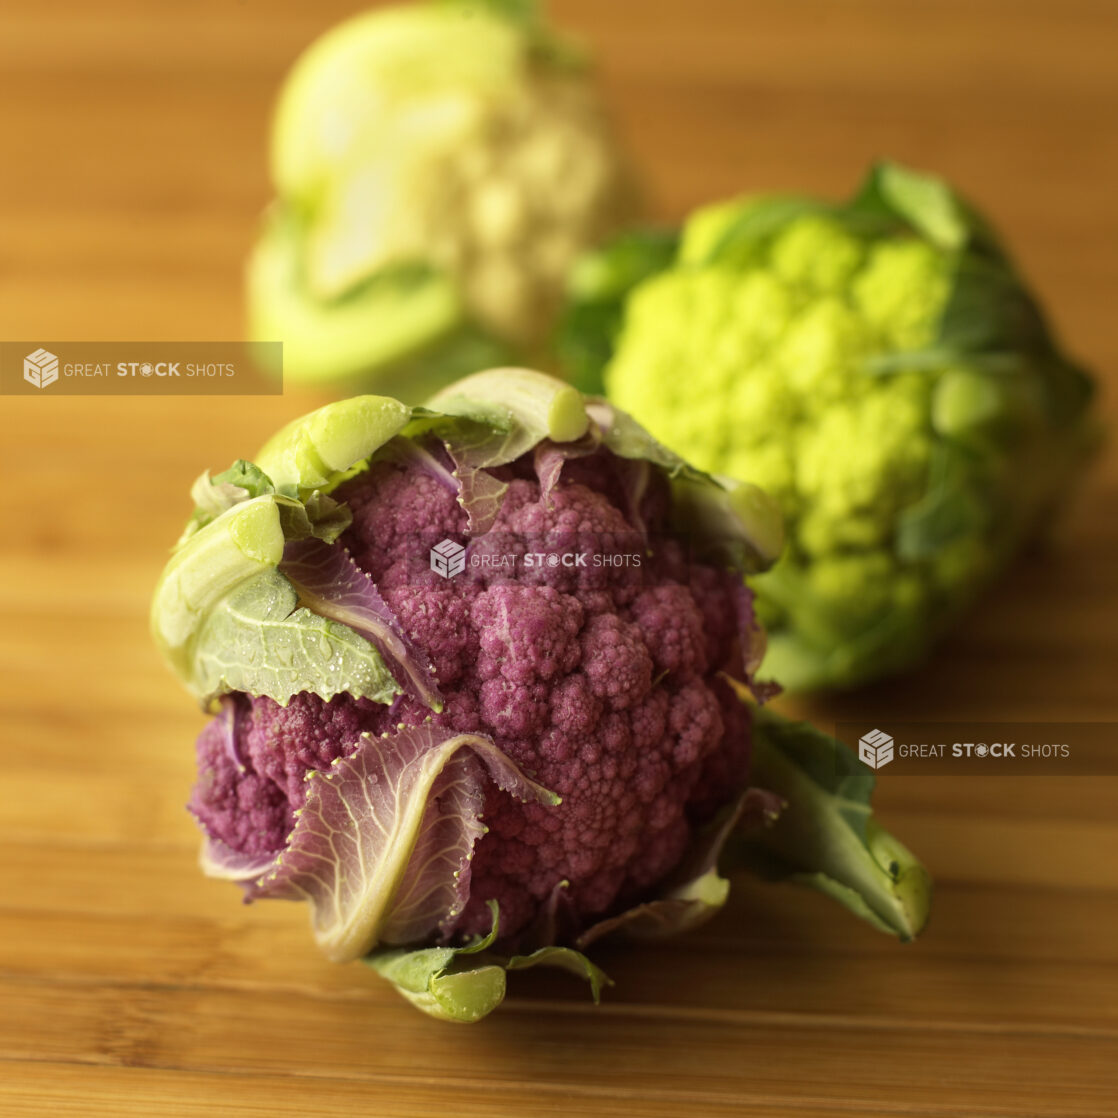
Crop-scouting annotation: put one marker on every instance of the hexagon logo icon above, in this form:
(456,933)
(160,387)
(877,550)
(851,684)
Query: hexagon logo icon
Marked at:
(448,559)
(875,749)
(40,368)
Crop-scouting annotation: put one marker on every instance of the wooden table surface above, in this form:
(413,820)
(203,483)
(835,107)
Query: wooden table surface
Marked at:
(132,147)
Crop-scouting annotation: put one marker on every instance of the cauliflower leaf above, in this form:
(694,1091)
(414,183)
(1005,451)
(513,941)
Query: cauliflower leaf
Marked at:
(382,847)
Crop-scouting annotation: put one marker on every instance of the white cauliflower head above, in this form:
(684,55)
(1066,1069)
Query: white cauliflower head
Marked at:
(438,169)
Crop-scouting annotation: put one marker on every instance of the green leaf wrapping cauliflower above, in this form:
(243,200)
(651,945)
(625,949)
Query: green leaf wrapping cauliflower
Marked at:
(880,368)
(438,167)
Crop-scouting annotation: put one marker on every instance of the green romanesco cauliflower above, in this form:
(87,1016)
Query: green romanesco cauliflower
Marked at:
(879,368)
(438,167)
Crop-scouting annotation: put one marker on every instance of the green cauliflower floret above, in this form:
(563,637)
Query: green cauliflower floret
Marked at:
(879,368)
(438,168)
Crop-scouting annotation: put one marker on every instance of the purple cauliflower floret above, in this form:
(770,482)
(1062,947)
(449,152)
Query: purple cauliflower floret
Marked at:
(246,810)
(603,682)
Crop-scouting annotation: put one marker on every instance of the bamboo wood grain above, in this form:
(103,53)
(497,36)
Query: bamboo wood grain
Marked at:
(130,985)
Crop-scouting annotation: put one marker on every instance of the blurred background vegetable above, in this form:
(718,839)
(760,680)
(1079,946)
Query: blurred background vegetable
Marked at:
(438,167)
(881,368)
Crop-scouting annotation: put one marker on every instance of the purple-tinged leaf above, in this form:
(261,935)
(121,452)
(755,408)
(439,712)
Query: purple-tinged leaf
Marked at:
(331,585)
(636,477)
(734,521)
(480,493)
(443,848)
(761,809)
(380,847)
(753,640)
(220,860)
(227,720)
(693,893)
(556,922)
(549,457)
(500,415)
(409,452)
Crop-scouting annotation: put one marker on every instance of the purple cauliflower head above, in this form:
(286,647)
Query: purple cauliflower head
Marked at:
(607,684)
(477,674)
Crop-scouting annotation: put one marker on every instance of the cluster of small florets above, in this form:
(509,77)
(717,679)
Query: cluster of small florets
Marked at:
(538,182)
(603,682)
(780,390)
(776,356)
